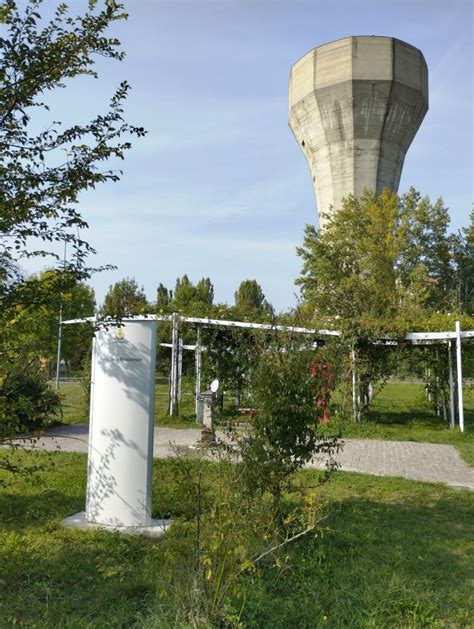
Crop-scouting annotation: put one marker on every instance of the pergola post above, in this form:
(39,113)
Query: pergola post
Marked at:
(452,417)
(198,363)
(60,336)
(459,376)
(174,367)
(355,405)
(180,366)
(60,328)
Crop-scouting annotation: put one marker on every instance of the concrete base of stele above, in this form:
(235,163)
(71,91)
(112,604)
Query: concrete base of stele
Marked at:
(157,528)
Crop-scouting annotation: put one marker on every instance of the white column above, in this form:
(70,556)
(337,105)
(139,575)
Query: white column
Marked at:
(459,376)
(121,425)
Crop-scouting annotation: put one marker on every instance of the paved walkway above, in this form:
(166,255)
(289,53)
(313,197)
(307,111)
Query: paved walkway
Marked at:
(434,463)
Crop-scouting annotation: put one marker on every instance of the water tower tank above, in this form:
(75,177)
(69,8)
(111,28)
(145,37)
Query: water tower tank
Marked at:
(355,106)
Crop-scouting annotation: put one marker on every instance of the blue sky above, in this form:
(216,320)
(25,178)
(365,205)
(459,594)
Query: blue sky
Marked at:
(219,187)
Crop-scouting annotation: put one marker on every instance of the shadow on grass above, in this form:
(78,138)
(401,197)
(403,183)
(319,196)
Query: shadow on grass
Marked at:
(416,418)
(19,512)
(406,418)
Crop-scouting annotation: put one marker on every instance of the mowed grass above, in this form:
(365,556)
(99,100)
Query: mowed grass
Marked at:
(394,553)
(399,411)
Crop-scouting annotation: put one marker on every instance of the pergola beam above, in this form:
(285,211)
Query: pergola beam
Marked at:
(411,336)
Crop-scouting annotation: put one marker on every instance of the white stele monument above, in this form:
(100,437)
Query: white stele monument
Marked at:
(121,431)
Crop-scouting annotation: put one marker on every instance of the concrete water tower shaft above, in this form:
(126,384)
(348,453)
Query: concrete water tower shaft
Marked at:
(355,105)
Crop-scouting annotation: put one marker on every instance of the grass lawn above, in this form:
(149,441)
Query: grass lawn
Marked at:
(395,554)
(399,412)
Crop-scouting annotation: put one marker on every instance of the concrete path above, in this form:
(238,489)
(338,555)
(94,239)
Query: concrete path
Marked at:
(434,463)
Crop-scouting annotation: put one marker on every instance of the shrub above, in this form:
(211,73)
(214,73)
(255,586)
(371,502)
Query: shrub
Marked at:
(27,402)
(285,435)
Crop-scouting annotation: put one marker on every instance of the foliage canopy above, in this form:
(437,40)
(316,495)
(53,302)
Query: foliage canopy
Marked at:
(45,166)
(385,263)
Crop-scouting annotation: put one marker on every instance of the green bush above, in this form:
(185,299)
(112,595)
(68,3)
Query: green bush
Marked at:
(285,434)
(27,402)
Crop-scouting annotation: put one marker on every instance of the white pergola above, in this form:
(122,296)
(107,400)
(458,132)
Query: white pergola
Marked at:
(177,347)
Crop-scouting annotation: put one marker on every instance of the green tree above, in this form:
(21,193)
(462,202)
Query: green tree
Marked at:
(380,261)
(124,298)
(193,300)
(163,299)
(76,339)
(424,259)
(44,167)
(463,247)
(184,294)
(37,324)
(43,173)
(382,266)
(27,402)
(249,298)
(205,291)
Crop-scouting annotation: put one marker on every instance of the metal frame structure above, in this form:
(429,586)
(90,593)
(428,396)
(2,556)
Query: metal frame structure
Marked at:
(416,338)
